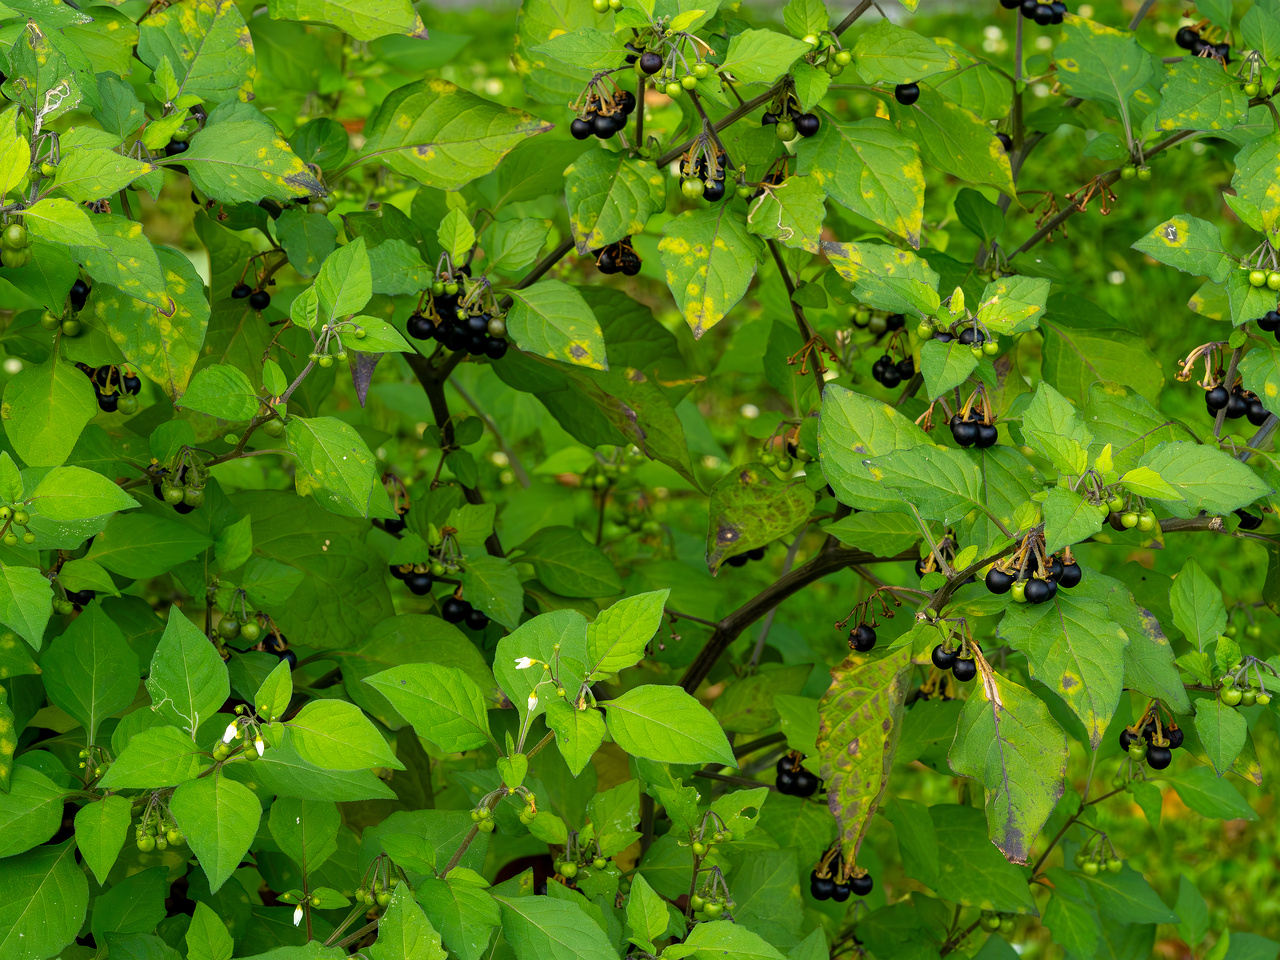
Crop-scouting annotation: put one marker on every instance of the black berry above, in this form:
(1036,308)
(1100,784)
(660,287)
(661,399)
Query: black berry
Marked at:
(862,638)
(1186,38)
(650,62)
(807,124)
(964,431)
(1037,590)
(1175,737)
(943,658)
(1070,576)
(906,93)
(964,669)
(821,887)
(580,128)
(454,609)
(1006,141)
(419,583)
(1257,412)
(861,885)
(79,294)
(786,782)
(477,619)
(175,147)
(998,581)
(805,783)
(1217,398)
(1159,757)
(419,327)
(841,893)
(259,299)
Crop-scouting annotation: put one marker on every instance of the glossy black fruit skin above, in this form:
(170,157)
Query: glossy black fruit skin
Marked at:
(580,128)
(807,124)
(419,327)
(1248,521)
(786,782)
(1006,141)
(965,432)
(79,294)
(259,299)
(756,553)
(862,638)
(805,784)
(1237,406)
(987,436)
(477,619)
(175,147)
(1175,737)
(1159,757)
(943,658)
(964,670)
(419,583)
(291,657)
(906,93)
(1126,738)
(81,598)
(1038,591)
(1043,15)
(1257,412)
(821,887)
(862,885)
(495,348)
(1217,398)
(399,572)
(108,402)
(1070,576)
(714,192)
(998,581)
(650,62)
(1270,321)
(1186,38)
(841,893)
(454,610)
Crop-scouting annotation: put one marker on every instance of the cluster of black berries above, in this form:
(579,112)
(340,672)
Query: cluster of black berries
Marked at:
(791,121)
(713,188)
(457,610)
(889,373)
(740,559)
(1270,322)
(1238,403)
(416,576)
(824,882)
(479,334)
(1144,744)
(114,389)
(1188,38)
(793,779)
(972,430)
(258,299)
(1036,589)
(604,116)
(1042,13)
(618,257)
(963,669)
(862,638)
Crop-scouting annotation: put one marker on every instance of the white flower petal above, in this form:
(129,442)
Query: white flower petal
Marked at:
(297,915)
(533,700)
(260,746)
(524,663)
(231,732)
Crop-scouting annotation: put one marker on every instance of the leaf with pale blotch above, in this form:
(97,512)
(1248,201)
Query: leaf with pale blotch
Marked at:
(887,53)
(90,173)
(1198,94)
(954,140)
(334,464)
(552,320)
(1013,304)
(1192,245)
(709,257)
(1256,178)
(885,277)
(239,161)
(1097,62)
(750,507)
(859,723)
(126,259)
(790,212)
(208,45)
(610,197)
(852,429)
(871,168)
(1260,369)
(164,347)
(360,19)
(443,136)
(1009,742)
(1073,647)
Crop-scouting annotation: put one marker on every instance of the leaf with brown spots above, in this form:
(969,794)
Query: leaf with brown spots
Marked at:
(207,44)
(859,723)
(1009,742)
(751,507)
(238,161)
(552,320)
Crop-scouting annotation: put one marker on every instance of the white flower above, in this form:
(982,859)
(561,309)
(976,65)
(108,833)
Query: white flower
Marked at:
(297,915)
(231,732)
(524,663)
(533,701)
(259,746)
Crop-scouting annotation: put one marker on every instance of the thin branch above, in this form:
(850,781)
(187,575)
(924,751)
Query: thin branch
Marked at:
(517,467)
(1264,434)
(765,627)
(1142,12)
(847,22)
(1221,416)
(806,331)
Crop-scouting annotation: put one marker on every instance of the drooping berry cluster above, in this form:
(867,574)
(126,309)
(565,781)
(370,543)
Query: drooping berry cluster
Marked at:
(741,559)
(878,322)
(862,638)
(463,321)
(15,245)
(962,668)
(1188,38)
(889,373)
(1031,575)
(114,388)
(789,120)
(456,610)
(705,176)
(1044,14)
(1237,402)
(618,257)
(972,429)
(259,298)
(1152,741)
(602,114)
(831,880)
(1237,689)
(1097,854)
(182,487)
(793,779)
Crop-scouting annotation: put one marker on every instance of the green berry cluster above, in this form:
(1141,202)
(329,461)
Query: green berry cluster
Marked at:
(15,245)
(15,517)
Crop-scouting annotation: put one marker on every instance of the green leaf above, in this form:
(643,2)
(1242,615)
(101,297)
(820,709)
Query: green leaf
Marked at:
(15,152)
(945,366)
(610,197)
(1199,95)
(443,136)
(751,507)
(1068,519)
(886,278)
(443,704)
(942,483)
(455,235)
(559,635)
(188,680)
(888,54)
(954,140)
(579,733)
(1211,796)
(336,735)
(971,870)
(1076,359)
(305,830)
(1192,245)
(790,212)
(647,917)
(45,409)
(1013,304)
(61,221)
(567,563)
(540,927)
(1198,610)
(1009,742)
(208,44)
(362,19)
(1074,648)
(852,430)
(885,535)
(345,281)
(1052,425)
(26,598)
(667,725)
(68,494)
(1097,62)
(860,721)
(133,905)
(1145,482)
(207,937)
(1257,166)
(981,217)
(307,238)
(101,829)
(709,258)
(334,464)
(90,671)
(43,898)
(761,56)
(1127,897)
(1074,925)
(140,545)
(870,168)
(235,161)
(586,48)
(491,584)
(275,692)
(1192,910)
(30,812)
(219,818)
(723,939)
(619,635)
(154,758)
(404,932)
(552,320)
(1222,731)
(1207,478)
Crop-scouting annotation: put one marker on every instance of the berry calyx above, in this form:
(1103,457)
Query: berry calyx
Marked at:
(943,658)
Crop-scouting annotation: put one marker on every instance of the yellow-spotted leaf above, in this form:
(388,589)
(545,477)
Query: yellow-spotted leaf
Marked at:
(790,212)
(888,53)
(362,19)
(164,347)
(710,257)
(1097,62)
(1192,245)
(885,277)
(208,46)
(1257,172)
(859,725)
(239,161)
(871,168)
(1013,304)
(611,197)
(552,320)
(334,464)
(90,173)
(444,136)
(1009,742)
(124,258)
(954,140)
(1199,95)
